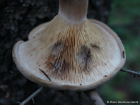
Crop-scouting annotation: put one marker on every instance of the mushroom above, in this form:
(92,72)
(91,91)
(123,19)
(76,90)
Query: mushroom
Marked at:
(70,52)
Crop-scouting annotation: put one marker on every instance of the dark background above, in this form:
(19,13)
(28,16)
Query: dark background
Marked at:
(19,17)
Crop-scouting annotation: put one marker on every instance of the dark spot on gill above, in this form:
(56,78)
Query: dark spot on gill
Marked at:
(57,47)
(87,58)
(105,75)
(65,67)
(84,57)
(57,44)
(59,59)
(61,69)
(96,47)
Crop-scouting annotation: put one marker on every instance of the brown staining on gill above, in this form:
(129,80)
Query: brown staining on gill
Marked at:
(84,57)
(53,65)
(58,36)
(64,67)
(105,75)
(95,47)
(88,56)
(58,62)
(34,49)
(51,40)
(47,63)
(123,54)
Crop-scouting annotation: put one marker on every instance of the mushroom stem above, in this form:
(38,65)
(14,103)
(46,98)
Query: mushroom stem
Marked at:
(31,96)
(95,98)
(73,10)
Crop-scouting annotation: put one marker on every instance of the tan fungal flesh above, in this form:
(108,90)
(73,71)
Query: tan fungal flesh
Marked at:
(70,54)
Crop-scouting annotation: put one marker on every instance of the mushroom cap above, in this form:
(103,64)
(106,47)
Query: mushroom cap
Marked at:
(67,56)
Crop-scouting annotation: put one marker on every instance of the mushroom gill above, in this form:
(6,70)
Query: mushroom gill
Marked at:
(69,53)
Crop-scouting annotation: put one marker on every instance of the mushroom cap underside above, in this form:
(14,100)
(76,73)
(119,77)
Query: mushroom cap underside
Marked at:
(68,56)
